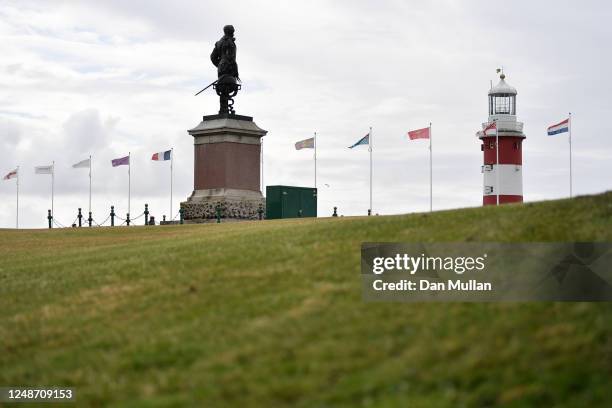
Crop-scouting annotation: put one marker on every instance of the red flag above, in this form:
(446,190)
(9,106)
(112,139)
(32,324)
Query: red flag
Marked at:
(490,126)
(11,175)
(419,134)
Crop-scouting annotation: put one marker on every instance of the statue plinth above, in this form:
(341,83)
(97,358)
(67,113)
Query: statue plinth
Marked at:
(227,151)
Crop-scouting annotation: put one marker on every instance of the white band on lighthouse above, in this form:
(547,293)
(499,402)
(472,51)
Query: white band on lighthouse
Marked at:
(510,179)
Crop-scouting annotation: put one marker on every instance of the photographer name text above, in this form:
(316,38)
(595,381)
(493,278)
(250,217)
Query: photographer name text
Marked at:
(414,264)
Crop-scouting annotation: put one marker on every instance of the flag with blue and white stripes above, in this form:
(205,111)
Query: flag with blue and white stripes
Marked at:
(561,127)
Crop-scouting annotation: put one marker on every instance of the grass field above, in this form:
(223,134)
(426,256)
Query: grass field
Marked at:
(270,314)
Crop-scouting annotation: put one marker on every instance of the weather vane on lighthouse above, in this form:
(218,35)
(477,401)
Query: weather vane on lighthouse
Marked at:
(502,138)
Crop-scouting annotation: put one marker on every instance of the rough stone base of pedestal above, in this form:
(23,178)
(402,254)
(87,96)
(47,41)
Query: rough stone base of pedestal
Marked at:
(232,209)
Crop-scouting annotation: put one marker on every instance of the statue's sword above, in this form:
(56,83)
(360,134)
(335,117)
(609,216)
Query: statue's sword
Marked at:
(206,87)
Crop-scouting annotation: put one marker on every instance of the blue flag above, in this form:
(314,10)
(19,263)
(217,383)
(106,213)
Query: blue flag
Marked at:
(363,141)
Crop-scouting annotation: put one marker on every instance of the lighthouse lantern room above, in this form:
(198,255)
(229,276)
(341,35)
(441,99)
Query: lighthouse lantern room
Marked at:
(502,169)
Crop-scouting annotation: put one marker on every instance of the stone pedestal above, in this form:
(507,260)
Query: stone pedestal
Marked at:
(227,161)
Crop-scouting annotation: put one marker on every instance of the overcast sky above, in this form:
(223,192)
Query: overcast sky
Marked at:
(110,77)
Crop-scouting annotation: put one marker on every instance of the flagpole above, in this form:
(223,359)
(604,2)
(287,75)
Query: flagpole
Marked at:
(430,170)
(370,146)
(315,159)
(570,153)
(497,168)
(262,164)
(129,179)
(52,187)
(90,183)
(17,220)
(171,163)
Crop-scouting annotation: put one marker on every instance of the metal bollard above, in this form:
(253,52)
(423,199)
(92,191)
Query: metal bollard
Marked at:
(146,214)
(260,212)
(181,219)
(90,219)
(127,219)
(49,218)
(218,213)
(335,214)
(80,216)
(112,215)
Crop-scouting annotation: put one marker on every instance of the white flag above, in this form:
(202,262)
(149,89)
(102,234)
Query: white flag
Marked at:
(43,169)
(82,164)
(305,144)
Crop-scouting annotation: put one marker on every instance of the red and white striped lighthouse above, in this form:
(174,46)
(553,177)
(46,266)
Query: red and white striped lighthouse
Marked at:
(502,137)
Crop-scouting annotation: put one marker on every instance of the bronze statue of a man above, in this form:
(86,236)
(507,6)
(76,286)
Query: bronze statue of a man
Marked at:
(224,58)
(224,54)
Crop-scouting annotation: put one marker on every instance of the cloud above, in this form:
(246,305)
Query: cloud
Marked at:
(84,131)
(11,134)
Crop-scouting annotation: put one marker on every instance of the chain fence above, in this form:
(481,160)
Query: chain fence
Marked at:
(137,217)
(124,221)
(102,223)
(58,224)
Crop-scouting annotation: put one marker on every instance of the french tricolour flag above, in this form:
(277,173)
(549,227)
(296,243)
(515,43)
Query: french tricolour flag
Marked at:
(167,155)
(560,127)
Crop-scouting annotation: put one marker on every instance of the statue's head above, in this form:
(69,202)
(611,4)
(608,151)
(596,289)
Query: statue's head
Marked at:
(228,30)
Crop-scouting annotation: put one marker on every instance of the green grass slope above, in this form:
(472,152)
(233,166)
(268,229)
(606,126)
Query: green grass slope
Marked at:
(270,314)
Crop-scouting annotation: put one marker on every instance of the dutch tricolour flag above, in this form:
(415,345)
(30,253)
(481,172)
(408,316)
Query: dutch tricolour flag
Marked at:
(560,127)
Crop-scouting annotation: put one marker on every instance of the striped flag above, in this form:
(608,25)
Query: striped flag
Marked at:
(11,174)
(561,127)
(43,169)
(161,156)
(305,144)
(419,134)
(363,141)
(122,161)
(166,156)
